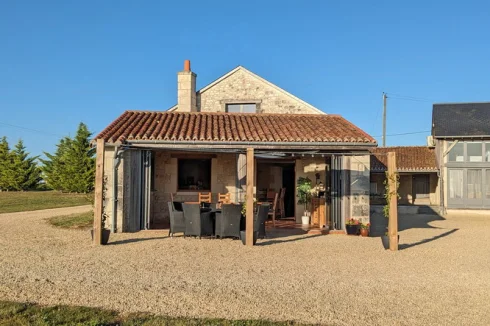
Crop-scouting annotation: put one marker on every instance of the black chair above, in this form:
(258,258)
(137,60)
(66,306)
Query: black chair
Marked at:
(259,220)
(177,222)
(197,223)
(228,221)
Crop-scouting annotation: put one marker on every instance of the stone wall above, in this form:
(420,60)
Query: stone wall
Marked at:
(223,180)
(244,87)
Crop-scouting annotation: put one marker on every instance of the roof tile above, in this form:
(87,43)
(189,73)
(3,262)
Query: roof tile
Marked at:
(408,158)
(230,127)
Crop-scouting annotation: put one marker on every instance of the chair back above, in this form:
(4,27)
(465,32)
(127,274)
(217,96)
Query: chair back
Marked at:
(270,194)
(224,198)
(260,218)
(192,217)
(231,215)
(177,223)
(205,198)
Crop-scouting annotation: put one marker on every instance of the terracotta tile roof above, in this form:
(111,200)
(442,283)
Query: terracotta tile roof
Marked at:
(233,127)
(408,158)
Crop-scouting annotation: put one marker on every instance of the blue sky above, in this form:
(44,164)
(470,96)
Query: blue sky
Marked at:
(62,62)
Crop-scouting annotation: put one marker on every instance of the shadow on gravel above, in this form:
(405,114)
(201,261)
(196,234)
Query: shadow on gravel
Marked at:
(269,241)
(135,240)
(410,245)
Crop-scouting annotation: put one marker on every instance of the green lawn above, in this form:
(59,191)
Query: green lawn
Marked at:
(73,221)
(12,313)
(13,201)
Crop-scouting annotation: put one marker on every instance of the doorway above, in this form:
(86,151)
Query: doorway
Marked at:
(274,175)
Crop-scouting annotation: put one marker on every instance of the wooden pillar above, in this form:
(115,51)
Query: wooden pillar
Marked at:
(393,218)
(250,198)
(99,185)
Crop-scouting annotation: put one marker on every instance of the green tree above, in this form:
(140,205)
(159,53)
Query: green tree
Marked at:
(53,168)
(72,167)
(5,165)
(25,173)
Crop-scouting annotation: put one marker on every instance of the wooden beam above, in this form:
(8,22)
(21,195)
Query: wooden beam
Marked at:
(250,198)
(393,218)
(99,185)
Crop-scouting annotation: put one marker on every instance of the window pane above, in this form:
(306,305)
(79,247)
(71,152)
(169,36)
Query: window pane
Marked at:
(194,174)
(457,153)
(249,108)
(456,184)
(233,108)
(474,184)
(487,152)
(474,152)
(487,174)
(374,188)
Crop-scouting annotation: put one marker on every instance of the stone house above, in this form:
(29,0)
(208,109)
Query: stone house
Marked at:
(200,145)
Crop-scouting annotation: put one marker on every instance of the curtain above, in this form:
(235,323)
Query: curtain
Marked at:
(474,184)
(456,184)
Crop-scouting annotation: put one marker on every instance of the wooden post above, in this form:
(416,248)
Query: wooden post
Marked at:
(99,185)
(393,219)
(250,198)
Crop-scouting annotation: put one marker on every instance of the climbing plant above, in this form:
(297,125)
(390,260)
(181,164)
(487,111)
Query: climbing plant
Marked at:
(394,177)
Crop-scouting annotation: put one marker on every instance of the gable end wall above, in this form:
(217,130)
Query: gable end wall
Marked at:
(243,87)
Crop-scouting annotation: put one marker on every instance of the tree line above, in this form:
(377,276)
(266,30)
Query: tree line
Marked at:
(71,168)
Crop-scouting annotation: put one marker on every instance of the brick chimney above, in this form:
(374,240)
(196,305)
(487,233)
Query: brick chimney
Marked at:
(186,89)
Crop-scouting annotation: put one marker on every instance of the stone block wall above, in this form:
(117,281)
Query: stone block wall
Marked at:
(223,180)
(243,87)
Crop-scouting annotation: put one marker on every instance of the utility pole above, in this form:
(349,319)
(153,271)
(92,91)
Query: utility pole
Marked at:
(384,119)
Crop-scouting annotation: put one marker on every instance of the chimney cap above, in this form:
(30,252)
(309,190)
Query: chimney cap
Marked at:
(187,65)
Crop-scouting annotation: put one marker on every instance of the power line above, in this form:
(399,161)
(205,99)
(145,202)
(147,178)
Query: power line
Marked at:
(408,97)
(406,133)
(30,129)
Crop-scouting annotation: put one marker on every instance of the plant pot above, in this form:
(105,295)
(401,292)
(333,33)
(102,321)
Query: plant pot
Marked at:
(305,220)
(105,235)
(352,229)
(365,232)
(243,236)
(385,239)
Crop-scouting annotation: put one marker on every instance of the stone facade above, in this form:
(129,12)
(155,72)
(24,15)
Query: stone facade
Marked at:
(242,86)
(223,180)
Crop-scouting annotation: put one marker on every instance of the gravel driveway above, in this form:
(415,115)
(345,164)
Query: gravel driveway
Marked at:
(442,275)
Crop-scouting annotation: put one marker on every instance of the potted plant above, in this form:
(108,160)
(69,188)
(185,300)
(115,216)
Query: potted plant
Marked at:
(352,226)
(303,189)
(365,229)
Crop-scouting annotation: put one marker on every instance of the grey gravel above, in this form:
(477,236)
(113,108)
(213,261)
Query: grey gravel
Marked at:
(333,279)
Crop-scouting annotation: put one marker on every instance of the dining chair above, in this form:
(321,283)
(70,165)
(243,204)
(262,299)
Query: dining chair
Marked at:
(205,197)
(273,210)
(223,199)
(270,195)
(177,222)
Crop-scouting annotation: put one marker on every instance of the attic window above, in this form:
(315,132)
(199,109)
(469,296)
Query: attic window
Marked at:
(241,108)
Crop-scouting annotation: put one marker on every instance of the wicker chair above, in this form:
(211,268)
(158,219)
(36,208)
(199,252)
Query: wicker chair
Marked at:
(177,222)
(259,220)
(228,221)
(196,223)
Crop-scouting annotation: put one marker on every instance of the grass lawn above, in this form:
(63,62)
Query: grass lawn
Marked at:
(13,313)
(13,201)
(73,221)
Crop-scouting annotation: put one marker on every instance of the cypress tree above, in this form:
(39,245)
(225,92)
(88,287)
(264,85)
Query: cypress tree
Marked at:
(25,173)
(5,165)
(54,167)
(72,167)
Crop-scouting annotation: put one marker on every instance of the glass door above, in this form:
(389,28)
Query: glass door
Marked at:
(474,189)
